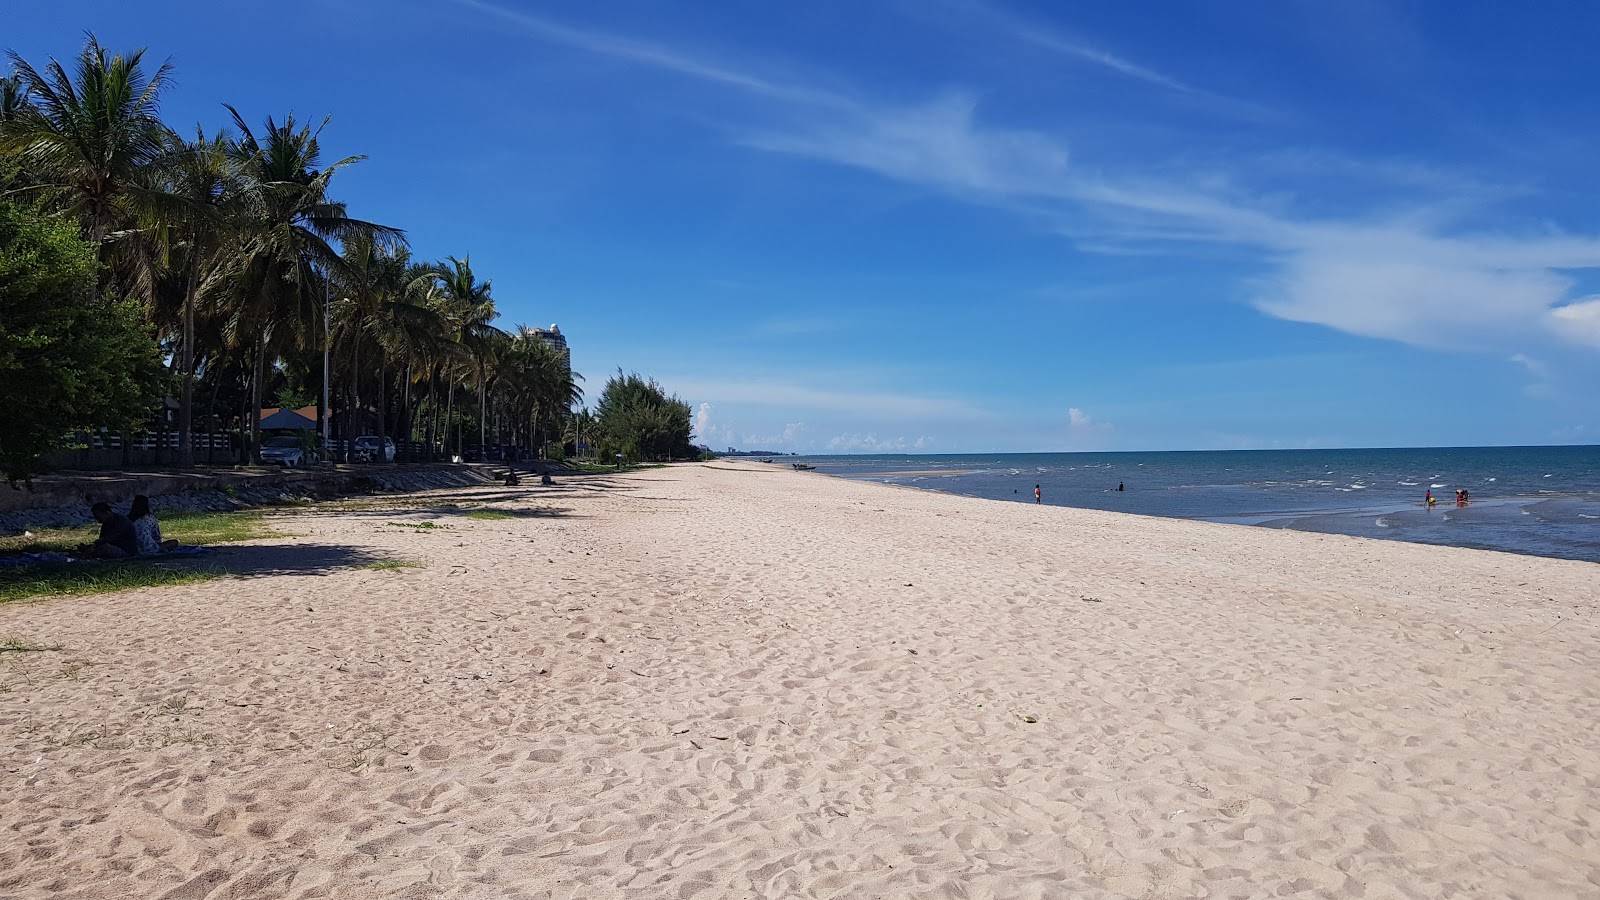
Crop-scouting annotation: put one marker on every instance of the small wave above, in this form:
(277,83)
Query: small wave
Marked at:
(1383,522)
(1587,516)
(1410,483)
(1438,485)
(1547,476)
(1358,487)
(1491,479)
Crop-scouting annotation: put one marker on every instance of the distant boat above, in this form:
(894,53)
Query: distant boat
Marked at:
(766,460)
(802,467)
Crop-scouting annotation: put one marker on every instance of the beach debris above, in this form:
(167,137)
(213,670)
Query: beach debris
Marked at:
(1031,720)
(1090,599)
(908,584)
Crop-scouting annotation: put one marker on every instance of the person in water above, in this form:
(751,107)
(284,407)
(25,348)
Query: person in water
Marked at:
(1119,485)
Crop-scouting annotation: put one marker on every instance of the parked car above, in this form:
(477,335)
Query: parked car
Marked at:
(286,451)
(480,453)
(367,448)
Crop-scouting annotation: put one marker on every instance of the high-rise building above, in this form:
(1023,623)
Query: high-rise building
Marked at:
(551,336)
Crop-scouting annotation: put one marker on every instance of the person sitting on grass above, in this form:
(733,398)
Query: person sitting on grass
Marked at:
(146,530)
(116,539)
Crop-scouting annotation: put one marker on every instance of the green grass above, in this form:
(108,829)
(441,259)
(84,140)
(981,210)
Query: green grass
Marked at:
(490,514)
(383,564)
(64,579)
(199,529)
(422,526)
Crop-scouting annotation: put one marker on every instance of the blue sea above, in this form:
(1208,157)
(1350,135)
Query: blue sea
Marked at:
(1540,501)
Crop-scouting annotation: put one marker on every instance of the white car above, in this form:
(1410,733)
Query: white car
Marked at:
(367,448)
(285,451)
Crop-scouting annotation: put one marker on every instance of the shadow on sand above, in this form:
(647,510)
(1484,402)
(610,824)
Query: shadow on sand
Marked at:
(486,503)
(261,560)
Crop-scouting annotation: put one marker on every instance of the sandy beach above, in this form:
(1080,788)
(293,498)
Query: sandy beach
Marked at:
(733,680)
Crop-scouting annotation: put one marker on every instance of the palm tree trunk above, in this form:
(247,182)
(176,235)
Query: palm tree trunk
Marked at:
(250,450)
(449,413)
(383,418)
(433,411)
(355,401)
(186,389)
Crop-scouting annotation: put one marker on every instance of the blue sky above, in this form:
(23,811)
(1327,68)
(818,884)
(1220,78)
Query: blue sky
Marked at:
(955,225)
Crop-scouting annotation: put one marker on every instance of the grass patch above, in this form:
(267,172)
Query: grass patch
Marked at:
(196,528)
(420,526)
(63,579)
(382,564)
(490,514)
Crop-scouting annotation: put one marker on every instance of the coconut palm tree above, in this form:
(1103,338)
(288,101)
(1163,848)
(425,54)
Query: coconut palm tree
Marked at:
(383,319)
(89,142)
(287,222)
(200,173)
(469,307)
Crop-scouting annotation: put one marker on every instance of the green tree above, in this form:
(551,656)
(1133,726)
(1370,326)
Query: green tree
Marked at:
(89,143)
(468,307)
(282,250)
(69,361)
(639,420)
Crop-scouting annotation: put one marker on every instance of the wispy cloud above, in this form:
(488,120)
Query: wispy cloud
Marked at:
(1017,28)
(1423,278)
(652,55)
(871,443)
(938,144)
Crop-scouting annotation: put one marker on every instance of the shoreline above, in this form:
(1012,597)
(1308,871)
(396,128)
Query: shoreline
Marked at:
(696,682)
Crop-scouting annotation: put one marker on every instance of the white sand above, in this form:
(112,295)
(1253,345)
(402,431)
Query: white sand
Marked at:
(740,681)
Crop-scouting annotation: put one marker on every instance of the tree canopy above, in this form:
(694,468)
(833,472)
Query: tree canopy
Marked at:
(67,360)
(240,267)
(639,420)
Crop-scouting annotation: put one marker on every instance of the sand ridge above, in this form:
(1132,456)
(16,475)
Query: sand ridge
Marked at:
(729,681)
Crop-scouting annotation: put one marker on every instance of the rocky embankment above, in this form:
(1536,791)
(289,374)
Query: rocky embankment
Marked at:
(68,499)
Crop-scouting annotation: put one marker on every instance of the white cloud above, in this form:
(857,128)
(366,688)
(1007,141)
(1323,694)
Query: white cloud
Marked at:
(702,420)
(936,144)
(1423,281)
(1578,321)
(1079,418)
(1535,367)
(854,443)
(651,55)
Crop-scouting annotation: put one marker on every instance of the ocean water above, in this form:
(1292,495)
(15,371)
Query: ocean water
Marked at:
(1541,501)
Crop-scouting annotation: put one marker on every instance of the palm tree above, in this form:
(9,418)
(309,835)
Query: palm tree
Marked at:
(469,307)
(284,252)
(539,383)
(200,173)
(383,316)
(89,142)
